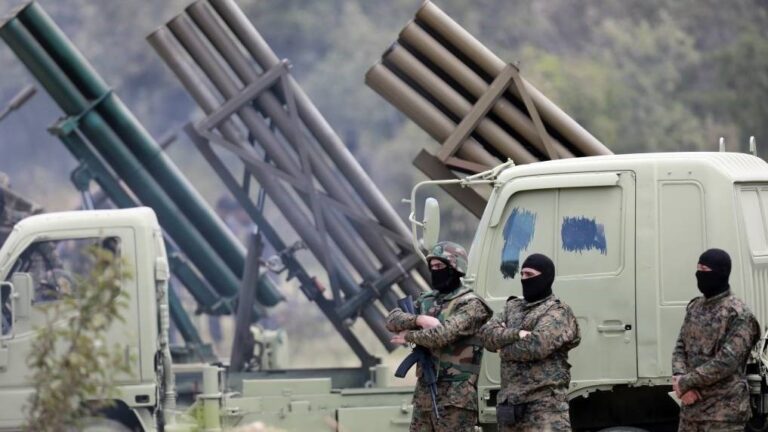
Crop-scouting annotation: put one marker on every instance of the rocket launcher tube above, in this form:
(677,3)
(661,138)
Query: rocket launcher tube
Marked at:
(134,136)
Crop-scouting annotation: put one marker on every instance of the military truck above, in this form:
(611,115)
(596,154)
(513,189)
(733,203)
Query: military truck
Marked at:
(147,392)
(625,233)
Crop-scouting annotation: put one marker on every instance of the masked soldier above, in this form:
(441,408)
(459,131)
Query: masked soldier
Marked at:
(445,323)
(533,336)
(711,353)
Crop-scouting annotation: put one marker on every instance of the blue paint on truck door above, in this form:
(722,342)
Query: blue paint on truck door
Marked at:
(581,234)
(518,232)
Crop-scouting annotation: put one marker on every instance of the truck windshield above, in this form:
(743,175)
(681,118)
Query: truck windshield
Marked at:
(56,265)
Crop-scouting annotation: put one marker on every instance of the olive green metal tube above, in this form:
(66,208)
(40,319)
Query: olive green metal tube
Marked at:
(200,290)
(552,115)
(112,148)
(313,120)
(423,113)
(202,14)
(422,42)
(435,87)
(181,319)
(134,136)
(166,45)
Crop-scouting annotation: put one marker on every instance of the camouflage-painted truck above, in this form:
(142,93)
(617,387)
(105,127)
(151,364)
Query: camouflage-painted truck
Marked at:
(624,231)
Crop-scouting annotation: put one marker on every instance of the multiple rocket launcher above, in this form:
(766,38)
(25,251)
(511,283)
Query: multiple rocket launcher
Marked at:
(473,103)
(436,73)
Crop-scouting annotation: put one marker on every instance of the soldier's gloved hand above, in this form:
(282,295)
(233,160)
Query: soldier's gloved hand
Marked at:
(691,397)
(399,338)
(427,322)
(523,333)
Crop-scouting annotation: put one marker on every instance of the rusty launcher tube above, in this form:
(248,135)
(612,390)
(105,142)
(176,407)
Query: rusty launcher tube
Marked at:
(439,90)
(429,48)
(460,39)
(436,72)
(422,112)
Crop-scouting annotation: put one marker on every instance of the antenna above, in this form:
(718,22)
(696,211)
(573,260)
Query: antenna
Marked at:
(753,145)
(722,144)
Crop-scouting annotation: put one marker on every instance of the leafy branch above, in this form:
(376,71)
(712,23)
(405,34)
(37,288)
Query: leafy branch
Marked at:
(74,367)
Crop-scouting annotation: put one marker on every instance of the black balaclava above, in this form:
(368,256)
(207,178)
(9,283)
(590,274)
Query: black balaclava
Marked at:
(712,283)
(446,279)
(538,287)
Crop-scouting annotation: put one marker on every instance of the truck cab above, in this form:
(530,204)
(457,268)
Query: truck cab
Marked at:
(42,260)
(625,233)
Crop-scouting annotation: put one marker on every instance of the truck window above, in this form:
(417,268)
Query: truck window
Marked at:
(580,228)
(56,266)
(753,208)
(528,223)
(682,237)
(590,223)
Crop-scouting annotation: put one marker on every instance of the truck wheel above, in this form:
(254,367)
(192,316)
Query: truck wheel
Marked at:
(623,429)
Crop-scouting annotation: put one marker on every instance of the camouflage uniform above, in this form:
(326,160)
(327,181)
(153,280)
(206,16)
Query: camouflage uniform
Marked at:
(710,356)
(455,348)
(534,370)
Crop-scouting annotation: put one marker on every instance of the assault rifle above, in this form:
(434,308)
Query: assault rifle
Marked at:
(419,355)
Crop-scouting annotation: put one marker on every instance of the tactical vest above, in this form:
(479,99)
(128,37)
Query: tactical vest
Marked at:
(459,361)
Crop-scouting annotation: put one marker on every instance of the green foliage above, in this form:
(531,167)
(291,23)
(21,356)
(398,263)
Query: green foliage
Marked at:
(74,367)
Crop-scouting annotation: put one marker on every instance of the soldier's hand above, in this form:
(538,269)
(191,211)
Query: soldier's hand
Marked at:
(399,338)
(675,385)
(691,397)
(427,322)
(523,333)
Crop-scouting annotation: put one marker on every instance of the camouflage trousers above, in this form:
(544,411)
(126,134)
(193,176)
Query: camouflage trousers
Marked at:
(452,419)
(536,420)
(709,426)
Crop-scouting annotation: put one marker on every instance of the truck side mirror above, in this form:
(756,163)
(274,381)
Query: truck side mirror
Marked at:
(431,223)
(23,285)
(6,310)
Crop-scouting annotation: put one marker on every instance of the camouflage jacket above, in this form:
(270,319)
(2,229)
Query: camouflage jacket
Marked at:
(710,356)
(535,368)
(454,346)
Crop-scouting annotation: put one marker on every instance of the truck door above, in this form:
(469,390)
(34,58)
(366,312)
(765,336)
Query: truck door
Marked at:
(586,224)
(56,266)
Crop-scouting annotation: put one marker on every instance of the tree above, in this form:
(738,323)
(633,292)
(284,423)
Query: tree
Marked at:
(74,367)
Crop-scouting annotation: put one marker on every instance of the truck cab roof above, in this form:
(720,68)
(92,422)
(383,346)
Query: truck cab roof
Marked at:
(738,167)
